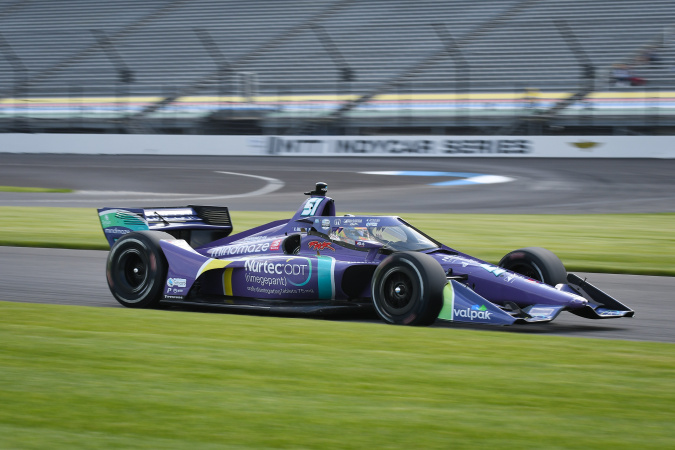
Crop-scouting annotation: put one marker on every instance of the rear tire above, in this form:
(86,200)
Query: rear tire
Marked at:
(537,263)
(407,289)
(136,269)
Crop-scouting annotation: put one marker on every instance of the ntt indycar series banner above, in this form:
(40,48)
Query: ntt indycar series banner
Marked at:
(481,146)
(451,146)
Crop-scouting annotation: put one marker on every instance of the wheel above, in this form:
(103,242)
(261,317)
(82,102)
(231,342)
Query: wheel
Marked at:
(137,268)
(407,289)
(536,263)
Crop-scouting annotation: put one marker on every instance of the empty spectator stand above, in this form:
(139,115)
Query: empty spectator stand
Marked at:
(263,60)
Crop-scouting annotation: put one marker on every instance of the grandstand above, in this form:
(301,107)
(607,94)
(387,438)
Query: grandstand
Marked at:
(337,66)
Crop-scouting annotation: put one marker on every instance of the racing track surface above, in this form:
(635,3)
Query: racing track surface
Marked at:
(539,185)
(77,277)
(276,184)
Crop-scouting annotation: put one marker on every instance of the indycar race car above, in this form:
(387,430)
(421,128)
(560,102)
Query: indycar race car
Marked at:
(319,263)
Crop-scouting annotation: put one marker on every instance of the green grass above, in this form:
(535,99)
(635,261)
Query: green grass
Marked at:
(78,377)
(32,189)
(614,243)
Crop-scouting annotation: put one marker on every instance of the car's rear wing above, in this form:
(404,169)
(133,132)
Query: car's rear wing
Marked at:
(198,225)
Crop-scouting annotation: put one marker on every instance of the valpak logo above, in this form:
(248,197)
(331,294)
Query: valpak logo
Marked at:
(473,313)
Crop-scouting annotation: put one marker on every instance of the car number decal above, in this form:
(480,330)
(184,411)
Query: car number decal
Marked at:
(311,206)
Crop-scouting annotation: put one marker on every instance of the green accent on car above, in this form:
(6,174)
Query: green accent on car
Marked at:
(448,303)
(326,277)
(120,218)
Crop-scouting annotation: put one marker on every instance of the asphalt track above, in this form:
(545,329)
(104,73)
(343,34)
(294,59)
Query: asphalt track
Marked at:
(565,186)
(550,186)
(77,277)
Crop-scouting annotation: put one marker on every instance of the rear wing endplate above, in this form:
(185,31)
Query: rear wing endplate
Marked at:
(116,222)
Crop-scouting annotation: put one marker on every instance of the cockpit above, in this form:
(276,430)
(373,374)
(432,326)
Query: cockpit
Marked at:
(398,237)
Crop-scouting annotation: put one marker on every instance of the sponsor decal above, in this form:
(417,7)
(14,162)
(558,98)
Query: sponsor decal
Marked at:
(318,245)
(338,222)
(585,145)
(275,244)
(176,282)
(481,146)
(253,239)
(288,268)
(496,271)
(360,243)
(352,222)
(173,297)
(325,224)
(541,312)
(278,273)
(266,281)
(174,290)
(279,145)
(420,146)
(473,313)
(116,230)
(237,249)
(279,291)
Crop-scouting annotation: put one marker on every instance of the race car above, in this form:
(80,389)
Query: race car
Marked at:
(319,263)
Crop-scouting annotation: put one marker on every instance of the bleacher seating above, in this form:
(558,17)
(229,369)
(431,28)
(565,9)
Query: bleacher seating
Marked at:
(378,39)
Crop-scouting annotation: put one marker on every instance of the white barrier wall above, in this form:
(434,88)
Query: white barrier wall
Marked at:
(482,146)
(450,146)
(129,144)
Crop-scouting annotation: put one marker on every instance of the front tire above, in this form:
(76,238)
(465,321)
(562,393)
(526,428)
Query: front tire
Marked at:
(407,289)
(537,263)
(137,268)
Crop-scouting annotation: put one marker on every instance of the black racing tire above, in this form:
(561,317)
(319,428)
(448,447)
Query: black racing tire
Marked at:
(136,269)
(537,263)
(407,289)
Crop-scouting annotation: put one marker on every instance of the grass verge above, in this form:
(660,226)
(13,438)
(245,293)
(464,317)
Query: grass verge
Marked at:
(33,189)
(73,377)
(614,243)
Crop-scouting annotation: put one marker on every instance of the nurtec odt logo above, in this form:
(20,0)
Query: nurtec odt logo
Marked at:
(473,313)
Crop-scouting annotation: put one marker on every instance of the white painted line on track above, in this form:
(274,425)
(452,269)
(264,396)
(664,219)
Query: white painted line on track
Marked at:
(462,178)
(489,179)
(126,193)
(272,185)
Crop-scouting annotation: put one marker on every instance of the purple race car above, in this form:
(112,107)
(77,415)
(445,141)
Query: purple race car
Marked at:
(320,263)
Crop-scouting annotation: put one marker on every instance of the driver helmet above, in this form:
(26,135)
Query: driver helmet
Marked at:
(357,233)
